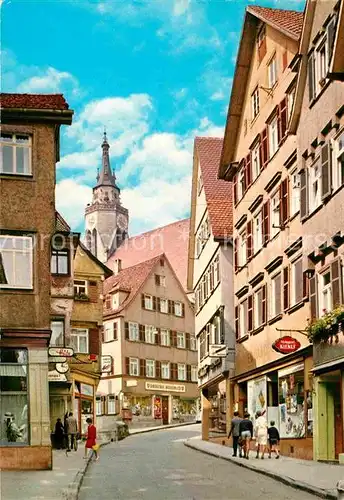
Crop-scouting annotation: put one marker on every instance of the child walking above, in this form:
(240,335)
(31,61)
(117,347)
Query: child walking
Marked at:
(91,439)
(274,439)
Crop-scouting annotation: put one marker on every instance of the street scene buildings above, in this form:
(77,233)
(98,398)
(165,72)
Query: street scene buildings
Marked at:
(237,308)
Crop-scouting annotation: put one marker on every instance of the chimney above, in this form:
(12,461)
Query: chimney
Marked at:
(117,266)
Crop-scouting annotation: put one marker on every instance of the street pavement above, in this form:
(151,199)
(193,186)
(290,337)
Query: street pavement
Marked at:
(157,465)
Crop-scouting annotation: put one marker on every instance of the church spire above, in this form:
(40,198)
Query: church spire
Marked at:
(106,177)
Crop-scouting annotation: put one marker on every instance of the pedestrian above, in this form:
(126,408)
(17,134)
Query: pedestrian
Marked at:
(274,439)
(65,425)
(235,433)
(261,434)
(246,433)
(91,439)
(59,434)
(72,430)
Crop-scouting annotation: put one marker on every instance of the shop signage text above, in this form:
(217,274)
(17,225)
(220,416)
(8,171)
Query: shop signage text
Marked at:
(65,352)
(131,383)
(217,350)
(286,345)
(106,364)
(55,376)
(57,359)
(155,386)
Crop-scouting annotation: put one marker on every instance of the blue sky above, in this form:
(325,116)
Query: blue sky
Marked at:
(155,73)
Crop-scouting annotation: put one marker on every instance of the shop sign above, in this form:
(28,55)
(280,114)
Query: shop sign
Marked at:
(157,407)
(106,364)
(57,359)
(131,383)
(55,376)
(62,367)
(217,350)
(86,390)
(65,352)
(286,345)
(155,386)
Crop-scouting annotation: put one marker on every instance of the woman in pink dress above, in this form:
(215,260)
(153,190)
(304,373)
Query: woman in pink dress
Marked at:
(91,438)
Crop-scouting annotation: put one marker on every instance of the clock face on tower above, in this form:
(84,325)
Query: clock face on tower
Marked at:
(122,221)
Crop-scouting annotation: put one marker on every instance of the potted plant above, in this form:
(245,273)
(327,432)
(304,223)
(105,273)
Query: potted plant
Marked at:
(328,326)
(81,296)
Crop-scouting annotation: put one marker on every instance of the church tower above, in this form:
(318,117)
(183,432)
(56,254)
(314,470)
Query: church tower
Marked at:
(106,221)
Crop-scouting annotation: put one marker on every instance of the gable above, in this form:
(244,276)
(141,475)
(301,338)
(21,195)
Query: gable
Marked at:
(85,265)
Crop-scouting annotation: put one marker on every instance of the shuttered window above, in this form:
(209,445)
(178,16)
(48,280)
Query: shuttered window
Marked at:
(326,170)
(296,281)
(286,288)
(276,295)
(284,196)
(311,77)
(303,193)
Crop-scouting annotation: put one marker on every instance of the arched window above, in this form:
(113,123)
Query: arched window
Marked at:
(88,240)
(94,242)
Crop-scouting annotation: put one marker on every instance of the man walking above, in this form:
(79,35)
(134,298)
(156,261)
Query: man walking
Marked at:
(72,430)
(235,432)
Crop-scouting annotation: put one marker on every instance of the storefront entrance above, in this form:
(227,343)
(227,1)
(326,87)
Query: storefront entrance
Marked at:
(165,410)
(83,404)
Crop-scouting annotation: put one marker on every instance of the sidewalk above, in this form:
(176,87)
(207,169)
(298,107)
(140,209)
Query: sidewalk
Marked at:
(158,428)
(314,477)
(62,482)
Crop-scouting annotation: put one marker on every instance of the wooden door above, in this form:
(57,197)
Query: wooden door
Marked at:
(338,422)
(165,410)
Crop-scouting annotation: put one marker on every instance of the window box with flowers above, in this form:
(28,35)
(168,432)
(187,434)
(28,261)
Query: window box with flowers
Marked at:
(328,327)
(81,296)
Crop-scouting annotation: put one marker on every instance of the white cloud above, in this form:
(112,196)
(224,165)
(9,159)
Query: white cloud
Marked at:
(181,7)
(71,200)
(50,80)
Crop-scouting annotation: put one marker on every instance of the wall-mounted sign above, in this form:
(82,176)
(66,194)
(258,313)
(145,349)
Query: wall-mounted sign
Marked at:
(65,352)
(217,350)
(62,367)
(131,383)
(57,359)
(106,366)
(156,386)
(286,345)
(55,376)
(86,389)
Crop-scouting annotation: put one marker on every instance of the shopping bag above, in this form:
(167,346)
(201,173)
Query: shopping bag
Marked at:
(95,447)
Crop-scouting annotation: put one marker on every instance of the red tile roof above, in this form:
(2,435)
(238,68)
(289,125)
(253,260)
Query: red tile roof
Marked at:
(131,279)
(33,101)
(288,21)
(218,193)
(172,240)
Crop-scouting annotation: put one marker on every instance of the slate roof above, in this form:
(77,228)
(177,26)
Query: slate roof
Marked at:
(172,240)
(33,101)
(218,193)
(131,279)
(288,21)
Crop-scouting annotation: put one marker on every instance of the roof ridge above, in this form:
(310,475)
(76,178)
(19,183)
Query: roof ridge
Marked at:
(209,137)
(160,227)
(157,257)
(273,9)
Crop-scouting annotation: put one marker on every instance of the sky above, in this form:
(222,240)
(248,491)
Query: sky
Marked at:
(155,73)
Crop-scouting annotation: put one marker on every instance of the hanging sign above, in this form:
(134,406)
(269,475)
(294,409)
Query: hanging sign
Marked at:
(65,352)
(57,359)
(106,366)
(286,345)
(55,376)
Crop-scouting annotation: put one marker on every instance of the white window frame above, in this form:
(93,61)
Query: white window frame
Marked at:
(290,102)
(150,368)
(80,287)
(62,330)
(216,265)
(243,318)
(134,367)
(255,103)
(194,373)
(258,231)
(165,370)
(273,137)
(164,308)
(148,302)
(134,333)
(241,183)
(111,404)
(272,72)
(182,371)
(295,193)
(255,155)
(178,309)
(150,334)
(314,179)
(193,343)
(80,333)
(20,247)
(275,216)
(99,406)
(162,280)
(108,333)
(165,339)
(274,311)
(325,293)
(181,340)
(15,147)
(338,160)
(321,63)
(295,281)
(257,307)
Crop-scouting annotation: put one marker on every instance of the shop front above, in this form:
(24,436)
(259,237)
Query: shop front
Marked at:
(285,395)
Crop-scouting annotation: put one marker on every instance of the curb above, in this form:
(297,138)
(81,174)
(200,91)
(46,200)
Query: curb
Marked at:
(72,490)
(163,427)
(282,479)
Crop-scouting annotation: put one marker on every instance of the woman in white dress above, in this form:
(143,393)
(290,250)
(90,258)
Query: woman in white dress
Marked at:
(261,434)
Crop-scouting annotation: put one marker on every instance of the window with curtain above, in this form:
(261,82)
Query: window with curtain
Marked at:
(14,423)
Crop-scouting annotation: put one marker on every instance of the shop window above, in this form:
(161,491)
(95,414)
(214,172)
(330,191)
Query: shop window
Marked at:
(181,371)
(165,370)
(134,367)
(14,397)
(164,306)
(165,339)
(79,340)
(133,331)
(194,373)
(57,332)
(149,334)
(181,340)
(15,154)
(16,262)
(291,402)
(150,368)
